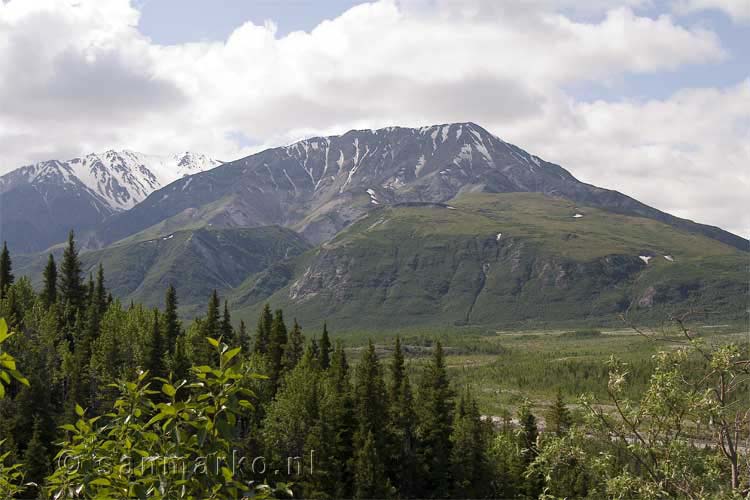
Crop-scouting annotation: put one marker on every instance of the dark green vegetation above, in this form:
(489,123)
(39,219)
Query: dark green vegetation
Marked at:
(503,260)
(125,402)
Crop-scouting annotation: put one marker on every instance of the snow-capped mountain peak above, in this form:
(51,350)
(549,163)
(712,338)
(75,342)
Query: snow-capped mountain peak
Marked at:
(117,179)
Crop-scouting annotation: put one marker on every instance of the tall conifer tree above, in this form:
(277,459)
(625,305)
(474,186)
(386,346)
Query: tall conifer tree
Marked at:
(339,412)
(156,348)
(276,347)
(243,338)
(435,415)
(226,329)
(212,324)
(558,417)
(100,292)
(370,479)
(179,364)
(72,290)
(325,348)
(294,348)
(36,460)
(49,290)
(371,411)
(90,290)
(172,327)
(470,469)
(263,331)
(402,466)
(528,434)
(6,271)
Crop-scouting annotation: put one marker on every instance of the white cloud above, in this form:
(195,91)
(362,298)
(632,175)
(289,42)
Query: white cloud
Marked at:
(738,10)
(83,78)
(687,155)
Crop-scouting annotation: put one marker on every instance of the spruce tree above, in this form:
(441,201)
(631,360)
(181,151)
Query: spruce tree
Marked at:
(315,348)
(529,432)
(90,290)
(11,308)
(558,418)
(263,331)
(6,271)
(155,363)
(338,408)
(36,460)
(197,348)
(398,371)
(72,290)
(371,412)
(212,325)
(532,483)
(294,411)
(77,384)
(370,396)
(242,337)
(434,417)
(179,363)
(369,473)
(226,329)
(87,330)
(93,328)
(470,468)
(276,345)
(325,348)
(294,347)
(402,466)
(100,292)
(172,327)
(85,337)
(49,290)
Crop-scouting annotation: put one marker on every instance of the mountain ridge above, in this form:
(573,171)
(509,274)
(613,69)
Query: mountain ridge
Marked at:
(320,185)
(40,202)
(120,179)
(446,224)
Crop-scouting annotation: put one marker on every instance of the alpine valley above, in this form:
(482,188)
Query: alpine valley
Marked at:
(375,229)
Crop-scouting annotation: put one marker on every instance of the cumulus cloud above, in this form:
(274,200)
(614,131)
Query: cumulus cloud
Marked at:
(75,75)
(687,155)
(738,10)
(81,77)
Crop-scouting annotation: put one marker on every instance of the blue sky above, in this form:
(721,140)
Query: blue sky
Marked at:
(649,97)
(180,21)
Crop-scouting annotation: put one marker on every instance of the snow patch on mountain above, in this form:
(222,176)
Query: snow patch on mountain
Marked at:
(118,179)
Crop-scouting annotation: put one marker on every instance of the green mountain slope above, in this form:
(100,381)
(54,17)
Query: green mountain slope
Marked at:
(195,262)
(496,259)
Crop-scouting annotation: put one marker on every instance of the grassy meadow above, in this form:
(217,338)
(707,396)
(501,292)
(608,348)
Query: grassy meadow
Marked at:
(502,368)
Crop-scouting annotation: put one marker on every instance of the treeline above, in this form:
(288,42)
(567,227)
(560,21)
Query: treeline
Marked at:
(126,401)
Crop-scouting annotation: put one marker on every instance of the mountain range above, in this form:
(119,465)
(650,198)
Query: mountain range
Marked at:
(445,224)
(40,203)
